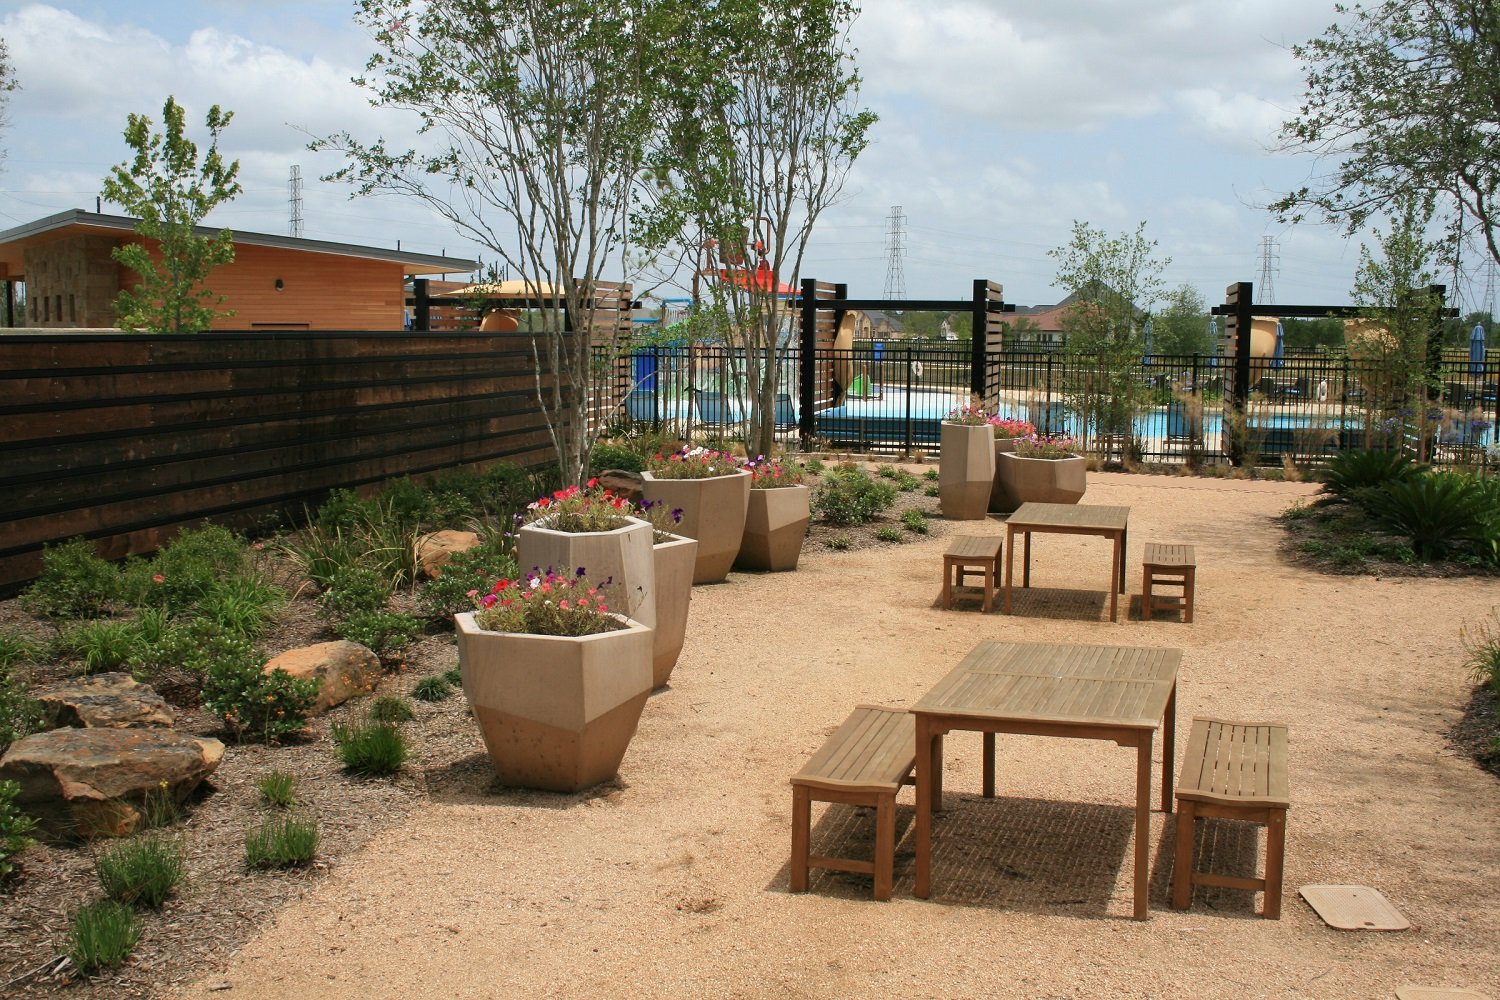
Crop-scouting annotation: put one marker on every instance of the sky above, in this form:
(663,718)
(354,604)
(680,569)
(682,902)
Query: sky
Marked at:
(1001,122)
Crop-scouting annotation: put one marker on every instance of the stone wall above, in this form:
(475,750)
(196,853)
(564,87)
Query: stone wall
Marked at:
(71,282)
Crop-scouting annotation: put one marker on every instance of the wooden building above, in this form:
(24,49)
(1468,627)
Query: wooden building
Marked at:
(274,283)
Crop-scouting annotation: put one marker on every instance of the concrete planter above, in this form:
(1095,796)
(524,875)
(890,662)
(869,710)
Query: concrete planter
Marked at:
(775,527)
(1003,446)
(624,554)
(556,712)
(966,470)
(713,511)
(1041,480)
(674,592)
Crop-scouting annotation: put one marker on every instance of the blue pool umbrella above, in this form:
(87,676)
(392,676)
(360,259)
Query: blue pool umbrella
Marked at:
(1213,340)
(1146,340)
(1476,350)
(1278,353)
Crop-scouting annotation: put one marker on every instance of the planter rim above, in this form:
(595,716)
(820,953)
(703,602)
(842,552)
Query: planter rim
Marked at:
(673,539)
(693,479)
(1041,458)
(788,486)
(465,621)
(540,524)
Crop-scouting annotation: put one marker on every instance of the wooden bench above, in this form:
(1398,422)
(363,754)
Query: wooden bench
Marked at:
(1233,770)
(864,763)
(972,555)
(1168,565)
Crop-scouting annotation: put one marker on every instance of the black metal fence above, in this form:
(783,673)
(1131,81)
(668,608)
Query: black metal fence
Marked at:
(1298,407)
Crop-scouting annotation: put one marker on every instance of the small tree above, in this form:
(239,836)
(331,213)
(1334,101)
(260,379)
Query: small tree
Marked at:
(1182,325)
(170,193)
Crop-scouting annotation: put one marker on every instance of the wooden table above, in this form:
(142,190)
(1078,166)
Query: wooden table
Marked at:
(1068,519)
(1115,693)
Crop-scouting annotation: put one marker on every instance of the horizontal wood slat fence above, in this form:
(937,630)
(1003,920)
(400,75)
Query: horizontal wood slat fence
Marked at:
(126,438)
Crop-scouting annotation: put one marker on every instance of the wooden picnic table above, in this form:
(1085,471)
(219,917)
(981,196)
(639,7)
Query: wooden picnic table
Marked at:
(1114,693)
(1068,519)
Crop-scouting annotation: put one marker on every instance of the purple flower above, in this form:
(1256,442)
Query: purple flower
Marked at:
(579,572)
(676,515)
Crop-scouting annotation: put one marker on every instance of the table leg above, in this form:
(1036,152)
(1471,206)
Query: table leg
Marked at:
(989,765)
(947,583)
(989,585)
(924,776)
(1142,823)
(1124,555)
(1026,563)
(1116,580)
(1169,750)
(1010,562)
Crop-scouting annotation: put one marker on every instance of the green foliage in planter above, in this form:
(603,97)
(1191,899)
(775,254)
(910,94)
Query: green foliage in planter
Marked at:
(14,827)
(1349,473)
(475,569)
(434,687)
(614,456)
(382,632)
(888,533)
(851,496)
(74,583)
(1439,512)
(368,747)
(142,870)
(254,704)
(102,935)
(915,521)
(102,644)
(282,842)
(390,708)
(278,789)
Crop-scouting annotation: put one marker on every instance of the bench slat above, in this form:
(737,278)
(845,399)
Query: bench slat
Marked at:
(1235,763)
(873,749)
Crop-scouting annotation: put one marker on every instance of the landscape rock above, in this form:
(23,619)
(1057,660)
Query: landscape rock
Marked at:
(434,550)
(103,701)
(345,668)
(84,783)
(622,484)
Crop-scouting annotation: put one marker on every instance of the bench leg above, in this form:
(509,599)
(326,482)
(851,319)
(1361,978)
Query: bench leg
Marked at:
(885,846)
(948,568)
(1182,857)
(1146,595)
(1187,595)
(989,765)
(801,834)
(1275,856)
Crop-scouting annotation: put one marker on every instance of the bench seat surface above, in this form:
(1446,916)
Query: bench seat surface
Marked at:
(873,750)
(1235,763)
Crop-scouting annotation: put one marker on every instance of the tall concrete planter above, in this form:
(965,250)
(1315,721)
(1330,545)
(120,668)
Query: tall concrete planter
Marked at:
(775,527)
(713,512)
(623,554)
(674,559)
(966,470)
(1003,446)
(1041,480)
(556,712)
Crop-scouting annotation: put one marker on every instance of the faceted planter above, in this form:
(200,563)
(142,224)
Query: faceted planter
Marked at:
(713,511)
(966,470)
(1041,480)
(1003,446)
(556,712)
(775,527)
(623,554)
(674,592)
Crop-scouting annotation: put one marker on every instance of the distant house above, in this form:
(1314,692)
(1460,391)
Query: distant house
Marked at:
(274,283)
(1044,329)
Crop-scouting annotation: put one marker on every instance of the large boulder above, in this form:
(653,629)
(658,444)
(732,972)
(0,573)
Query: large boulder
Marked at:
(83,783)
(433,551)
(345,669)
(622,483)
(104,701)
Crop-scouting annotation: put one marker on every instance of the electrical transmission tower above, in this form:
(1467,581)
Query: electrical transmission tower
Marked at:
(1270,260)
(294,200)
(895,270)
(1489,289)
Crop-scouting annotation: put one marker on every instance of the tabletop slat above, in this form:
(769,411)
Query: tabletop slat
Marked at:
(1069,515)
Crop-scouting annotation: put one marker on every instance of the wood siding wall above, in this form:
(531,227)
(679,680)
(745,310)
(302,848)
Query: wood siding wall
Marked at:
(124,439)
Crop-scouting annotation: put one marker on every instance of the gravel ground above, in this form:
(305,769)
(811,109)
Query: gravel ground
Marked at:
(672,881)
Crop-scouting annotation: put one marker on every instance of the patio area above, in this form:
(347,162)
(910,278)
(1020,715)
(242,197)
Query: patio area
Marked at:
(673,882)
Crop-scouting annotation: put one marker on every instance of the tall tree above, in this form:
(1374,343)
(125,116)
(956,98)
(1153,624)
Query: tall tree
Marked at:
(7,84)
(765,126)
(1182,325)
(167,189)
(536,117)
(1404,96)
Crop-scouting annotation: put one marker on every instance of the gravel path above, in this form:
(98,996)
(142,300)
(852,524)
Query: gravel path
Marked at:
(673,882)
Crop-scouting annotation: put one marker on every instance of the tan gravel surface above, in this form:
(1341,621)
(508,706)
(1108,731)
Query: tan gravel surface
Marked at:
(674,881)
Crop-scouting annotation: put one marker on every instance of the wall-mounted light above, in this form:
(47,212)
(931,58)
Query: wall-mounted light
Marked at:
(280,285)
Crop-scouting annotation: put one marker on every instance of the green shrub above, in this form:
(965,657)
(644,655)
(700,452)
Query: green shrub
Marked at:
(1349,473)
(1482,648)
(74,583)
(402,503)
(888,533)
(253,704)
(915,520)
(103,644)
(1438,512)
(475,569)
(282,842)
(385,633)
(931,475)
(454,676)
(434,687)
(840,542)
(390,708)
(14,827)
(344,509)
(906,482)
(20,714)
(851,496)
(194,564)
(352,589)
(508,489)
(278,788)
(321,553)
(102,935)
(244,605)
(142,870)
(613,456)
(367,747)
(815,466)
(933,490)
(887,472)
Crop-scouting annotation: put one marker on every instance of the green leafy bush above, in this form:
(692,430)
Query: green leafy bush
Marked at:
(102,935)
(475,569)
(195,563)
(851,496)
(344,509)
(840,542)
(888,533)
(906,482)
(368,747)
(354,588)
(933,490)
(385,633)
(1482,648)
(454,676)
(1438,512)
(915,521)
(245,605)
(74,583)
(1349,473)
(14,827)
(390,708)
(278,788)
(142,870)
(103,644)
(931,475)
(613,456)
(254,704)
(282,842)
(20,714)
(403,503)
(434,687)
